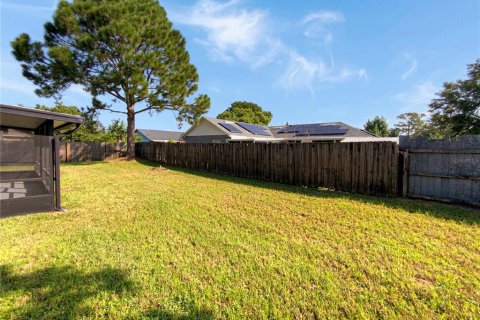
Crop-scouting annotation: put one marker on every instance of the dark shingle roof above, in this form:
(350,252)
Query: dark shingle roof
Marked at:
(161,135)
(319,130)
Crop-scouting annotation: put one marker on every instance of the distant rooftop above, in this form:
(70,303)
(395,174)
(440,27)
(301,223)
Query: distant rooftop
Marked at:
(328,129)
(160,135)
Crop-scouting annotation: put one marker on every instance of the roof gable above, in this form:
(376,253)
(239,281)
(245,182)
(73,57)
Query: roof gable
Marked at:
(205,127)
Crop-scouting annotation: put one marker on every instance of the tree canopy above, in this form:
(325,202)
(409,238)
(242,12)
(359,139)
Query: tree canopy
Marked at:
(412,123)
(123,49)
(379,127)
(117,131)
(456,110)
(248,112)
(92,129)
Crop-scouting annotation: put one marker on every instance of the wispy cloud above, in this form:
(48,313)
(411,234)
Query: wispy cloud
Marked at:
(316,24)
(418,98)
(23,87)
(213,88)
(14,86)
(413,67)
(23,6)
(304,73)
(79,91)
(231,31)
(235,33)
(307,73)
(324,17)
(301,72)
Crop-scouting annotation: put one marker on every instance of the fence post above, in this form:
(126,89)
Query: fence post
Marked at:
(403,173)
(66,151)
(56,173)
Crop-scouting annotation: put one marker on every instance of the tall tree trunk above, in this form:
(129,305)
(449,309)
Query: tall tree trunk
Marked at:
(130,132)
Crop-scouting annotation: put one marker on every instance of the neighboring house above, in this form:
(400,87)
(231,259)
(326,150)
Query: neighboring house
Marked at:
(212,130)
(159,135)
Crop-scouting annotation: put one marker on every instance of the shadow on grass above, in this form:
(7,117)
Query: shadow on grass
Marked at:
(83,163)
(467,215)
(58,292)
(67,293)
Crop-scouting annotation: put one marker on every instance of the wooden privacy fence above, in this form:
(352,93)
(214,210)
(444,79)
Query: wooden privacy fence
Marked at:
(91,151)
(443,169)
(367,168)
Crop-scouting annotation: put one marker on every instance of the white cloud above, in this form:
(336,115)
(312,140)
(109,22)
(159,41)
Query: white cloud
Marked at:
(14,88)
(362,74)
(78,90)
(304,73)
(324,17)
(418,98)
(24,87)
(413,67)
(316,24)
(231,31)
(213,88)
(20,6)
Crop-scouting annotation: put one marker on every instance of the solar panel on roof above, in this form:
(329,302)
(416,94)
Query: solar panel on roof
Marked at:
(255,129)
(230,127)
(322,130)
(314,130)
(291,129)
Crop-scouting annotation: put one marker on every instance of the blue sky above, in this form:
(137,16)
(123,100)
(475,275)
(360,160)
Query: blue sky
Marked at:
(306,61)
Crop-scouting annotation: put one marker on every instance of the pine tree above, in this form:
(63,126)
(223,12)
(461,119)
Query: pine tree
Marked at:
(456,110)
(123,49)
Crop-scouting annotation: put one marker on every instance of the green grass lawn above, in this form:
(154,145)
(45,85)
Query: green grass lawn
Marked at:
(142,242)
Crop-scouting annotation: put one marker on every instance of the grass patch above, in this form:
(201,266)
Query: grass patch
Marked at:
(143,242)
(21,167)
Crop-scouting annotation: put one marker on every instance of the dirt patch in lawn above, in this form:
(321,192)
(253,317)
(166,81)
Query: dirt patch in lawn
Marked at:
(159,169)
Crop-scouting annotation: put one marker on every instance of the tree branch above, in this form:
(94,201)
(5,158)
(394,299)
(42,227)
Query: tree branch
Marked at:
(166,107)
(117,111)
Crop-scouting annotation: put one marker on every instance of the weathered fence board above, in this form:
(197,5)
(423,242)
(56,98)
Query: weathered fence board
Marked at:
(368,167)
(90,151)
(443,169)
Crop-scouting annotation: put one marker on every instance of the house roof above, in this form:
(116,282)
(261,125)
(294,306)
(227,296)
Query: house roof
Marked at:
(30,119)
(237,129)
(161,135)
(300,132)
(371,139)
(317,131)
